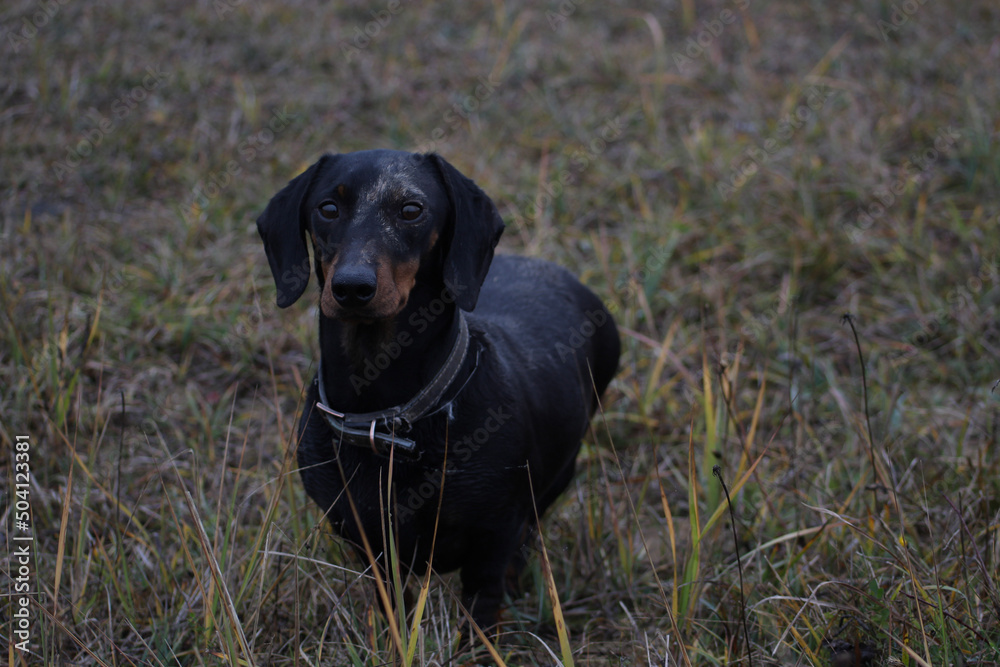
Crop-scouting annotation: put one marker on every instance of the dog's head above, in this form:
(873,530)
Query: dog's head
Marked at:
(375,218)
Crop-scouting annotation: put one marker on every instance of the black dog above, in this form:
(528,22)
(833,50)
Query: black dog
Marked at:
(435,352)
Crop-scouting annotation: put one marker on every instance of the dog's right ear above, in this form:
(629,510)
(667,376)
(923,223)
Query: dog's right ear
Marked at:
(282,226)
(476,227)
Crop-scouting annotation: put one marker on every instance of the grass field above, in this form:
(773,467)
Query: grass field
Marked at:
(732,177)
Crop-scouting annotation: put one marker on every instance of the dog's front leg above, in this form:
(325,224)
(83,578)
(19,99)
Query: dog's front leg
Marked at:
(483,586)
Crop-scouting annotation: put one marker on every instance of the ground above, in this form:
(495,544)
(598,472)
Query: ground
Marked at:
(790,207)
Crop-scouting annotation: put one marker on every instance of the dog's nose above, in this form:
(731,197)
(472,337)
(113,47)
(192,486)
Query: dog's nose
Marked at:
(354,286)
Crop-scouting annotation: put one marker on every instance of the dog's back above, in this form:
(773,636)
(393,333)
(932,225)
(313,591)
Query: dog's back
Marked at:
(561,347)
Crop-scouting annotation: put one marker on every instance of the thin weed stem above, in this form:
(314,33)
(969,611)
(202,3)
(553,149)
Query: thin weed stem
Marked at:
(717,471)
(849,319)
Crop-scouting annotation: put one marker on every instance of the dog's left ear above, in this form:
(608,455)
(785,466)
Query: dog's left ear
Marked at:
(282,226)
(476,227)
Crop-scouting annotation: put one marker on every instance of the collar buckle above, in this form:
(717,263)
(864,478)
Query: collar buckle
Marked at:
(360,435)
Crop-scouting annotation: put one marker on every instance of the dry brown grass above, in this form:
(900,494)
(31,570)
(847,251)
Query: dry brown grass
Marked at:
(733,184)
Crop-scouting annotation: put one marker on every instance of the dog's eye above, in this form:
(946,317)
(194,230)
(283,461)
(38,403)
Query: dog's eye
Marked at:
(411,212)
(328,210)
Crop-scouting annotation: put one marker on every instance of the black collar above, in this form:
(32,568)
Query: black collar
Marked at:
(381,430)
